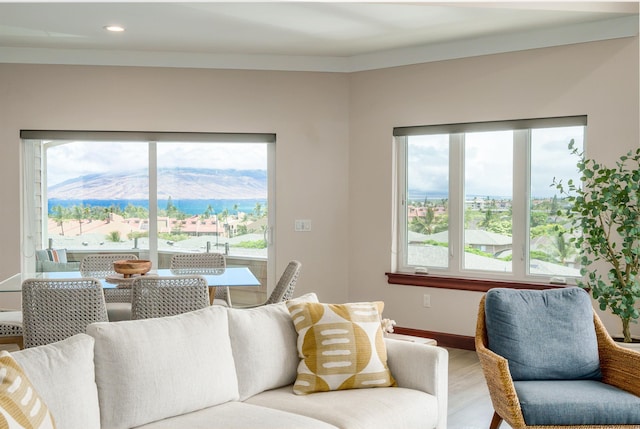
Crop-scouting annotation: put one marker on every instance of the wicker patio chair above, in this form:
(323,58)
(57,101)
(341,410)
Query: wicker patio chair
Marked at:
(203,263)
(101,266)
(55,309)
(619,368)
(118,299)
(168,296)
(287,283)
(11,328)
(285,286)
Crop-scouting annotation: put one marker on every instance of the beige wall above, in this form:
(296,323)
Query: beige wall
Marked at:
(597,79)
(334,148)
(307,111)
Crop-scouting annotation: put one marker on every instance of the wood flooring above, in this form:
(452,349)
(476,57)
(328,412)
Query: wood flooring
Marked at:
(469,403)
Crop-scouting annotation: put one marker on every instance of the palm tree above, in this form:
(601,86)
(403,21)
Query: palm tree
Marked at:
(208,212)
(59,214)
(78,214)
(424,224)
(563,248)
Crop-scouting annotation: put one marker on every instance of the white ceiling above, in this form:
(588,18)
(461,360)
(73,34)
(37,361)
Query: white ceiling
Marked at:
(318,36)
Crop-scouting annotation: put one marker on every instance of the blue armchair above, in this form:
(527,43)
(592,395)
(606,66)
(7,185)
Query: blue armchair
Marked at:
(550,363)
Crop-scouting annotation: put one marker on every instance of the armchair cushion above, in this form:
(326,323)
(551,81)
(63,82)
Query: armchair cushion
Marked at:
(576,402)
(545,335)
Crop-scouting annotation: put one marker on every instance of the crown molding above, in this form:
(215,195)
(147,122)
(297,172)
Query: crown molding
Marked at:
(579,33)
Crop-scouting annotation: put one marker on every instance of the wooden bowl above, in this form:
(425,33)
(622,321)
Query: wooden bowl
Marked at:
(128,267)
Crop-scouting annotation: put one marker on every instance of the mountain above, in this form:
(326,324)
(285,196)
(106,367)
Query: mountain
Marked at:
(178,183)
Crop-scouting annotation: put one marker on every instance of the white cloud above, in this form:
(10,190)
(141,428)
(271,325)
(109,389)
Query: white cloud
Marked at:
(77,159)
(489,159)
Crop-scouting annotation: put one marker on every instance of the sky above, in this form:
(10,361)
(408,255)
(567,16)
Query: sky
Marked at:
(489,159)
(77,159)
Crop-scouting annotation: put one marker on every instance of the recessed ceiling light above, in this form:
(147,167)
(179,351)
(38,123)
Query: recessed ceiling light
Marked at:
(114,28)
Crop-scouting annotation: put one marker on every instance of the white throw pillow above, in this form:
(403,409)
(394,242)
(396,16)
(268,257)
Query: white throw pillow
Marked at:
(63,375)
(263,340)
(151,369)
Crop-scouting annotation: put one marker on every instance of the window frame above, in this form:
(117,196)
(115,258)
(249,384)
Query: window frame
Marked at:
(520,270)
(34,193)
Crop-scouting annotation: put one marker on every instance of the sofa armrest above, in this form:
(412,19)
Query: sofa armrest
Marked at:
(421,367)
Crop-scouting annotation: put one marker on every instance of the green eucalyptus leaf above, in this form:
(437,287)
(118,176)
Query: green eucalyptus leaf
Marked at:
(605,206)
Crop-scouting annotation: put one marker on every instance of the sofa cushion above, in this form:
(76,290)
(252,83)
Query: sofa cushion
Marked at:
(21,407)
(341,346)
(64,375)
(381,408)
(576,402)
(238,415)
(544,334)
(151,369)
(263,340)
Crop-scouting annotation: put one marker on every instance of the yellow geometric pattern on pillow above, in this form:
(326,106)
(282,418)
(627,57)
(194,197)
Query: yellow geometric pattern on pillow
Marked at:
(20,406)
(341,346)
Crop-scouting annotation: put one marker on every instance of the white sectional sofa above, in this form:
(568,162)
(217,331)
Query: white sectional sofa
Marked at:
(221,368)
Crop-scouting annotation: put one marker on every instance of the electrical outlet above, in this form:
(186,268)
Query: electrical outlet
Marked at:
(426,300)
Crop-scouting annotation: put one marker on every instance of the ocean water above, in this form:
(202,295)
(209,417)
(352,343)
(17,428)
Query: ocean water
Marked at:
(190,207)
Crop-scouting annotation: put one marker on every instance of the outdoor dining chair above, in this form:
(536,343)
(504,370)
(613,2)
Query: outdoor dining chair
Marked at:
(203,263)
(167,296)
(285,286)
(118,299)
(55,309)
(11,328)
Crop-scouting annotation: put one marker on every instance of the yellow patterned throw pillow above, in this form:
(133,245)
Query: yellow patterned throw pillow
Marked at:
(20,405)
(341,346)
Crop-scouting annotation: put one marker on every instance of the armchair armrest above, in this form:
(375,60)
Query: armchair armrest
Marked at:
(421,367)
(496,372)
(619,365)
(501,389)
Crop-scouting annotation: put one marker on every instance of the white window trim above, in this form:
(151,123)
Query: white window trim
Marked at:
(33,227)
(520,201)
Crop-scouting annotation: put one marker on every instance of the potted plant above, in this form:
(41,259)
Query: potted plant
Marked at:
(604,211)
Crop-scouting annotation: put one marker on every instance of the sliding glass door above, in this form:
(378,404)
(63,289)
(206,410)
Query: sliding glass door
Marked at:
(156,197)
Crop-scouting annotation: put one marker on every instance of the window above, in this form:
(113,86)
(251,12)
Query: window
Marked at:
(151,195)
(477,199)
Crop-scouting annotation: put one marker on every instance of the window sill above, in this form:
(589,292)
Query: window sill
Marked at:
(459,283)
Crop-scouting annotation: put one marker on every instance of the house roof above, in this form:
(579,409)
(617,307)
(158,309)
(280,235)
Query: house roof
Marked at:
(474,237)
(438,256)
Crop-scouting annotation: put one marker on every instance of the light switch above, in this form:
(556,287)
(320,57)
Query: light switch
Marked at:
(303,225)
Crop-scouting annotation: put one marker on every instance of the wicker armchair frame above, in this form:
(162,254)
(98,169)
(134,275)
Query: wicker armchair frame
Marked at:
(619,367)
(11,328)
(203,263)
(168,296)
(101,266)
(55,309)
